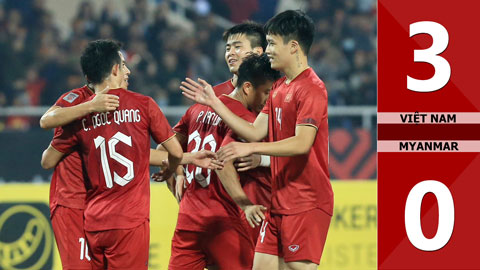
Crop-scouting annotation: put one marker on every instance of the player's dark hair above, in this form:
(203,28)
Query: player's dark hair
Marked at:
(98,58)
(257,70)
(252,30)
(292,25)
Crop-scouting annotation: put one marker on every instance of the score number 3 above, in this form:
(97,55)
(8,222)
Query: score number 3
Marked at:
(442,68)
(446,209)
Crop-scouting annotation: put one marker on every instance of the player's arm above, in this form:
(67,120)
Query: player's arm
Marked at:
(229,178)
(58,116)
(296,145)
(51,157)
(160,154)
(179,181)
(203,93)
(203,158)
(172,183)
(251,162)
(175,154)
(176,183)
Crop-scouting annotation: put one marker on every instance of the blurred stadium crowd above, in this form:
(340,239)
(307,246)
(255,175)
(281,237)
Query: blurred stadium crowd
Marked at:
(166,40)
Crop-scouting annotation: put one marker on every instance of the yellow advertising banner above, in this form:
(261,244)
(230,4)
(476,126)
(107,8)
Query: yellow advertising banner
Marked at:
(26,237)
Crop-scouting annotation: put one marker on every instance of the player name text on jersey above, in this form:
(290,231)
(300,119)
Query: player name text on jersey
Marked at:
(120,116)
(209,118)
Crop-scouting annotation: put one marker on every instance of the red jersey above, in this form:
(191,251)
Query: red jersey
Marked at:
(224,88)
(257,185)
(300,183)
(67,187)
(256,182)
(115,148)
(205,201)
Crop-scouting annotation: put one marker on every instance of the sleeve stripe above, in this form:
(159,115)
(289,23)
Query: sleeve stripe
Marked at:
(305,124)
(168,139)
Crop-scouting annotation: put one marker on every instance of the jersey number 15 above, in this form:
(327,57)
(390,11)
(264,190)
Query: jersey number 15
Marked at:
(112,142)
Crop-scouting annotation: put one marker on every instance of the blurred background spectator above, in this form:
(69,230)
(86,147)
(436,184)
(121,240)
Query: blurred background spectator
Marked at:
(166,40)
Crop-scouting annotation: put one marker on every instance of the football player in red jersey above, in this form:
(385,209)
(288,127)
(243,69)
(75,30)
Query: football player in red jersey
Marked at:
(67,190)
(115,149)
(240,40)
(67,187)
(211,231)
(295,121)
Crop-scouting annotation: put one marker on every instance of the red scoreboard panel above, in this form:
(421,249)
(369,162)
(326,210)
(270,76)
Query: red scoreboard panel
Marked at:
(428,134)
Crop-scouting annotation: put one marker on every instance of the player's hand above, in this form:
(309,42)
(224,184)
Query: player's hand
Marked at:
(179,187)
(254,214)
(206,159)
(164,173)
(234,150)
(200,92)
(104,102)
(247,163)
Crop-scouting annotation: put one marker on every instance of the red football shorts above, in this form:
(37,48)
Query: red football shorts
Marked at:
(252,232)
(120,249)
(294,237)
(67,224)
(227,247)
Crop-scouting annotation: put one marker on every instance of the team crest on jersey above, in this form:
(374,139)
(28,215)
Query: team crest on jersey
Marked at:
(274,94)
(70,97)
(288,98)
(293,248)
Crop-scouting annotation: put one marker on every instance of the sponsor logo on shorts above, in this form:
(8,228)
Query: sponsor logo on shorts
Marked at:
(293,248)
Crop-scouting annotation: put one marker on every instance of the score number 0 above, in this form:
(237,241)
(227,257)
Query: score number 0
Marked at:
(446,209)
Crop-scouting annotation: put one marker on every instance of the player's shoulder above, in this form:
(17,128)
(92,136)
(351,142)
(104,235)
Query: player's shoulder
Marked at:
(125,92)
(196,107)
(312,78)
(229,101)
(76,95)
(225,84)
(223,88)
(82,90)
(278,82)
(235,106)
(310,81)
(131,95)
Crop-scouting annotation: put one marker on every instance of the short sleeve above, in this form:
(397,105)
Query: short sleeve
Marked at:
(311,105)
(182,125)
(69,99)
(160,129)
(64,138)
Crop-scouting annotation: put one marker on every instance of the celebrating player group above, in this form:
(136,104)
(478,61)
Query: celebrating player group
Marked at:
(248,163)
